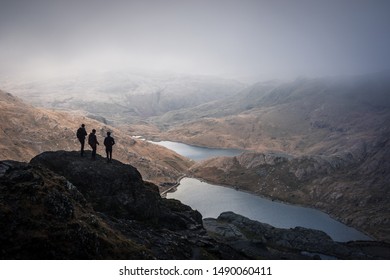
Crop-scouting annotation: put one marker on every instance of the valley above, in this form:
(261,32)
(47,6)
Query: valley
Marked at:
(333,131)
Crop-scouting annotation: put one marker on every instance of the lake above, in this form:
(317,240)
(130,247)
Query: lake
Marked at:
(197,153)
(211,200)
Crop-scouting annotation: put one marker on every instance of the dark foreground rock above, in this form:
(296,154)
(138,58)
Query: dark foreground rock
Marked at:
(100,211)
(253,238)
(44,216)
(117,189)
(62,206)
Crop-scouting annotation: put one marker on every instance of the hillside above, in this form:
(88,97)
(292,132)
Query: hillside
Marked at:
(317,142)
(307,116)
(321,142)
(27,131)
(353,188)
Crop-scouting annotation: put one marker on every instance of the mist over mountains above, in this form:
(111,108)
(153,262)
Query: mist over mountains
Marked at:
(316,116)
(320,142)
(305,116)
(123,96)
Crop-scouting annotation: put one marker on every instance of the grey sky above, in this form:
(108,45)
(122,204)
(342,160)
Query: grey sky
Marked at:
(235,38)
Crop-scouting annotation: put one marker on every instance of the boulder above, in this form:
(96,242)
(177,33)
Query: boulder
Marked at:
(117,189)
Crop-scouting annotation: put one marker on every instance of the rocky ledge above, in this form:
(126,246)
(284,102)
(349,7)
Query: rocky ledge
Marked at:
(63,206)
(253,238)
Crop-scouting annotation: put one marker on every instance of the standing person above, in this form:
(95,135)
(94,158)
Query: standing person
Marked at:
(81,133)
(109,142)
(92,141)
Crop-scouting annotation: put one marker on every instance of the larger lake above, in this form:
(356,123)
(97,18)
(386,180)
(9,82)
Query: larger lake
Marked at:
(211,200)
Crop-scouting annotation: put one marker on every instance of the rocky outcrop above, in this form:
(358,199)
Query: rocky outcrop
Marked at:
(44,216)
(253,238)
(102,211)
(63,206)
(117,189)
(352,185)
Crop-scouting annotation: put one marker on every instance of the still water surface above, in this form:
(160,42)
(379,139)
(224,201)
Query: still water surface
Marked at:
(197,153)
(211,200)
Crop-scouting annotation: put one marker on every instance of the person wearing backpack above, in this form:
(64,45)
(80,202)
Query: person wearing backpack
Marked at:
(93,142)
(109,142)
(81,134)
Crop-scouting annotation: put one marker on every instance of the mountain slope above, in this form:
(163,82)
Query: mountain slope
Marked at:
(27,131)
(307,116)
(354,187)
(329,138)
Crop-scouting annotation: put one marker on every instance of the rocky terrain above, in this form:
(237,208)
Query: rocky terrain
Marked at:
(254,238)
(322,143)
(26,131)
(100,212)
(62,206)
(303,117)
(352,187)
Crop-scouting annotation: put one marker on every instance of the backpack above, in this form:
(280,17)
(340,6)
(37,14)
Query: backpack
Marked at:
(79,133)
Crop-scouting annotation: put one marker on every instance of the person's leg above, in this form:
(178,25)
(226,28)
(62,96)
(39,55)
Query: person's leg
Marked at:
(107,155)
(82,147)
(94,152)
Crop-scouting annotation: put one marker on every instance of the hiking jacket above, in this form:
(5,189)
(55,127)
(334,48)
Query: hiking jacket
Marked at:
(109,142)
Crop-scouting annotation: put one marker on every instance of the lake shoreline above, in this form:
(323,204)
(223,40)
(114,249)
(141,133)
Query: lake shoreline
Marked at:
(276,213)
(204,149)
(283,202)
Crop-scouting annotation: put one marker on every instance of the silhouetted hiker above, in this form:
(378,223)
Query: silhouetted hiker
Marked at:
(81,133)
(109,142)
(92,141)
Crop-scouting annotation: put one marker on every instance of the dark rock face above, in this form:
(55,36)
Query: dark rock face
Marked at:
(253,238)
(61,206)
(118,190)
(43,215)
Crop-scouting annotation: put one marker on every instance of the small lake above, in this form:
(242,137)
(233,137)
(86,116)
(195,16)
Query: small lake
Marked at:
(211,200)
(197,153)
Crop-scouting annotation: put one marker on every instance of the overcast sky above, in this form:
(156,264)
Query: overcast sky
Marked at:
(232,38)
